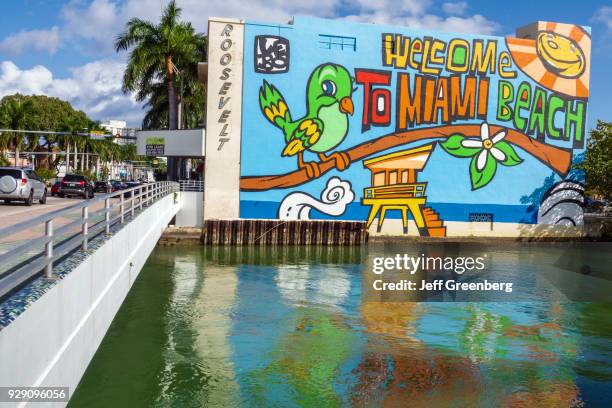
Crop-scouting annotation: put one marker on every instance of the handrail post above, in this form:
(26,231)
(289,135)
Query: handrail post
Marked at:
(122,206)
(84,215)
(140,198)
(107,215)
(132,199)
(49,248)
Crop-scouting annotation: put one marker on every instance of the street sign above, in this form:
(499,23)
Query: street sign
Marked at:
(155,146)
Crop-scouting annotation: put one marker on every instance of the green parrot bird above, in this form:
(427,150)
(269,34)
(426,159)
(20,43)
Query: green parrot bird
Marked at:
(325,125)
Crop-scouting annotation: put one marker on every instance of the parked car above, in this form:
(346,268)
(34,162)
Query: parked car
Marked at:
(103,187)
(55,188)
(76,185)
(18,184)
(117,185)
(131,184)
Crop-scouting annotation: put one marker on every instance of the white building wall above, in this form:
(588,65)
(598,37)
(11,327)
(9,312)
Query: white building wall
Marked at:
(223,118)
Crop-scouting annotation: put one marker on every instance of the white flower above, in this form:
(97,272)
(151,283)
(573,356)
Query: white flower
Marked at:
(487,145)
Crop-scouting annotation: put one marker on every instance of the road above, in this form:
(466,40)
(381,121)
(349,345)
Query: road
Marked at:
(16,212)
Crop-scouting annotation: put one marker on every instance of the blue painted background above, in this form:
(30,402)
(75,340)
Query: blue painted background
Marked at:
(448,191)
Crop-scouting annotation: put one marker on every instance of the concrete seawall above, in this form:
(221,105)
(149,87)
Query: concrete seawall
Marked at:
(52,342)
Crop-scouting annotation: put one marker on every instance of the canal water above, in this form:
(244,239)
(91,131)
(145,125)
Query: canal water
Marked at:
(296,327)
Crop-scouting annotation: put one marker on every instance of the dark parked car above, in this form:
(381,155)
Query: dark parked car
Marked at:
(76,185)
(130,184)
(55,188)
(103,187)
(117,185)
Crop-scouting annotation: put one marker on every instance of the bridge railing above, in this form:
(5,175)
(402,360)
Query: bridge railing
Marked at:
(192,185)
(62,235)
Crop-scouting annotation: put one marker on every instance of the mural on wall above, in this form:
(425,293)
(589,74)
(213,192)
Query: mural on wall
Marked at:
(562,204)
(325,124)
(503,111)
(333,201)
(395,187)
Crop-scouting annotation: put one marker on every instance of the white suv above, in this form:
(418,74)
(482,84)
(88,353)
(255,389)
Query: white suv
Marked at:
(21,185)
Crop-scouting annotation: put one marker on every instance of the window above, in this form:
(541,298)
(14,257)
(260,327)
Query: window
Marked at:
(337,42)
(74,177)
(393,177)
(10,172)
(379,179)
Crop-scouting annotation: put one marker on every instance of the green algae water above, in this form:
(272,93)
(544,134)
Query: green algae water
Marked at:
(292,327)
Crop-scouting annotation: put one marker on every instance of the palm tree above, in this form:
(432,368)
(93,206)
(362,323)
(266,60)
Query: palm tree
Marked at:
(13,114)
(155,52)
(192,108)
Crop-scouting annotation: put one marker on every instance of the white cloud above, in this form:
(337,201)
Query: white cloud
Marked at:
(459,8)
(35,40)
(93,26)
(412,7)
(475,24)
(108,17)
(97,23)
(94,88)
(603,15)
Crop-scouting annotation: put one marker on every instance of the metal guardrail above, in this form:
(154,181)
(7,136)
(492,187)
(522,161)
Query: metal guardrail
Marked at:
(53,247)
(192,185)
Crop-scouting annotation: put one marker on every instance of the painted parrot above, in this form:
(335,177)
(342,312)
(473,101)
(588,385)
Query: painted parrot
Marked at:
(325,125)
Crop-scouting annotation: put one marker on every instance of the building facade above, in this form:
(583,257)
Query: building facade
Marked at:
(322,119)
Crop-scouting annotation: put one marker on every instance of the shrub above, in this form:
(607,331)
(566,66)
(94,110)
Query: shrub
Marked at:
(46,174)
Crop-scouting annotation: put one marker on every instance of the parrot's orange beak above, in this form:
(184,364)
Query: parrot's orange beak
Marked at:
(346,105)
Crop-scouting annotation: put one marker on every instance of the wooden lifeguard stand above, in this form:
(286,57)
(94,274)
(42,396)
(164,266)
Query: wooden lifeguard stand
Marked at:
(395,187)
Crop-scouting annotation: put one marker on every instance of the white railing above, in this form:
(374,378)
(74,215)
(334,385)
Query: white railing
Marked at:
(192,185)
(36,255)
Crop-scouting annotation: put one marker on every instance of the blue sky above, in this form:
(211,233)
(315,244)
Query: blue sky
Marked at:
(64,48)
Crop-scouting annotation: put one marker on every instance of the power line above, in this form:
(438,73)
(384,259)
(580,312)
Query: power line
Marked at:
(73,133)
(46,132)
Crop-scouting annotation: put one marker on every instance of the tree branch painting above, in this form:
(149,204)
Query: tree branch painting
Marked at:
(556,158)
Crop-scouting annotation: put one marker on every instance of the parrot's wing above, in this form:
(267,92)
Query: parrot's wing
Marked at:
(273,105)
(305,135)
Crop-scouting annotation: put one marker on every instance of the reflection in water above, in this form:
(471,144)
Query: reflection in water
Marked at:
(292,327)
(302,283)
(198,339)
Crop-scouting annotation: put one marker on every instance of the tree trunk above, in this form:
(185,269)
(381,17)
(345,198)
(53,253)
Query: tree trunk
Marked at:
(67,158)
(172,113)
(172,102)
(76,157)
(16,156)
